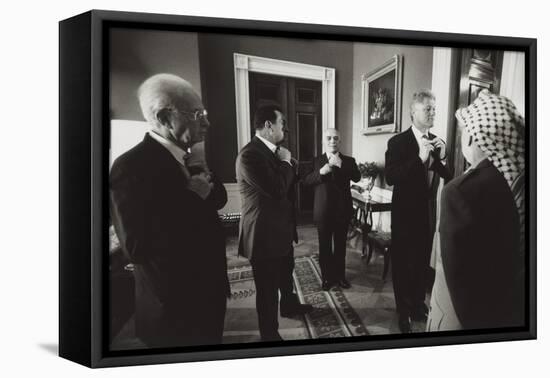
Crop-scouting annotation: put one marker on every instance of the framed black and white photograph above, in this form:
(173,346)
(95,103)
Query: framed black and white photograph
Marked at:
(381,92)
(252,188)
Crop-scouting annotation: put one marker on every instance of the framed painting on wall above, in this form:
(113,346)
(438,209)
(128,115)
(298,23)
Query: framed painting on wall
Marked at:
(381,98)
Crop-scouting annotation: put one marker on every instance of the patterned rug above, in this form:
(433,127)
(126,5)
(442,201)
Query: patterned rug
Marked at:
(332,315)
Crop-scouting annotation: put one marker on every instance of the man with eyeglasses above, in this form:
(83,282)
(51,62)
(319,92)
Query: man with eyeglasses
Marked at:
(164,203)
(266,176)
(332,208)
(414,166)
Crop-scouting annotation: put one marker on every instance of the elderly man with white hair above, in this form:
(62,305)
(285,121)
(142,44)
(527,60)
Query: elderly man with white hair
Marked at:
(165,214)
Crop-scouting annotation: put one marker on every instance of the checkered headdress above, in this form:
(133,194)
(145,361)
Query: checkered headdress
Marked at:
(499,130)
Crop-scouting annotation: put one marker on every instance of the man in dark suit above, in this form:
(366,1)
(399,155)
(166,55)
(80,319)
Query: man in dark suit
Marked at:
(332,207)
(414,165)
(266,178)
(480,227)
(165,215)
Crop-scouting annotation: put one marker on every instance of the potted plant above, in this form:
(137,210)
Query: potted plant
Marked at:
(369,173)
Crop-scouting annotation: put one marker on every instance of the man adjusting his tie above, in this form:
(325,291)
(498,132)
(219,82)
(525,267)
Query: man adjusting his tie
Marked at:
(414,165)
(332,208)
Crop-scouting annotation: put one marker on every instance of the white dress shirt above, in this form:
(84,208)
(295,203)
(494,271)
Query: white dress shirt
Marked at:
(271,146)
(177,152)
(418,136)
(329,154)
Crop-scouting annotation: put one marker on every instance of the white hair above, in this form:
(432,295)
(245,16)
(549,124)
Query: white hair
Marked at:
(159,92)
(419,97)
(332,129)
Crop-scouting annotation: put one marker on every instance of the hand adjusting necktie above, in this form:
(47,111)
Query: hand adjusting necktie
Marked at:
(427,164)
(184,168)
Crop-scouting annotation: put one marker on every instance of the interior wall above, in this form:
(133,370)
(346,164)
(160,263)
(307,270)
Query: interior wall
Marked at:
(125,134)
(218,80)
(138,54)
(417,74)
(512,83)
(206,60)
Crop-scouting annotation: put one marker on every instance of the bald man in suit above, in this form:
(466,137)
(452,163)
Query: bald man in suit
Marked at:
(332,208)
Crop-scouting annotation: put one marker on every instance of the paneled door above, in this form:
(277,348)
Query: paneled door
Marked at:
(300,100)
(479,69)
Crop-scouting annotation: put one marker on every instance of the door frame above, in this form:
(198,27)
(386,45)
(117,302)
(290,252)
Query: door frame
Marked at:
(243,64)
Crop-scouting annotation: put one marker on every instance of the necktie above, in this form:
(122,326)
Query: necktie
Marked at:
(427,164)
(184,165)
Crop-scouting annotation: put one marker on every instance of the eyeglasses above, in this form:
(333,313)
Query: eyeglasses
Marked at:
(428,109)
(201,114)
(333,137)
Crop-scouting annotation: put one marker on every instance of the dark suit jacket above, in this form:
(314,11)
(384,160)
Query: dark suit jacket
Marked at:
(173,237)
(266,185)
(332,192)
(410,218)
(479,232)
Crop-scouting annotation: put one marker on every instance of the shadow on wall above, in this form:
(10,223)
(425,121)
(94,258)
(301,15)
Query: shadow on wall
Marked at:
(138,54)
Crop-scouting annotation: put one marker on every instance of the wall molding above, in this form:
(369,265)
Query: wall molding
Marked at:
(442,87)
(243,64)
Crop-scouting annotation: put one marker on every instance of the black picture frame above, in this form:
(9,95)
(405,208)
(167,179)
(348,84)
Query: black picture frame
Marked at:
(84,209)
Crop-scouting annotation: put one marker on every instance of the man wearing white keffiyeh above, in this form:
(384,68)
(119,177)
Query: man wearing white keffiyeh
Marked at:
(480,278)
(499,130)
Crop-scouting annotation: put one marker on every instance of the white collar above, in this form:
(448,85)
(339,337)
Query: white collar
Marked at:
(418,135)
(177,152)
(269,145)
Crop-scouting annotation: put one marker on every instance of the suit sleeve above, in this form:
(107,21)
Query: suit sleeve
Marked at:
(400,166)
(256,171)
(314,177)
(442,170)
(128,199)
(355,175)
(218,195)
